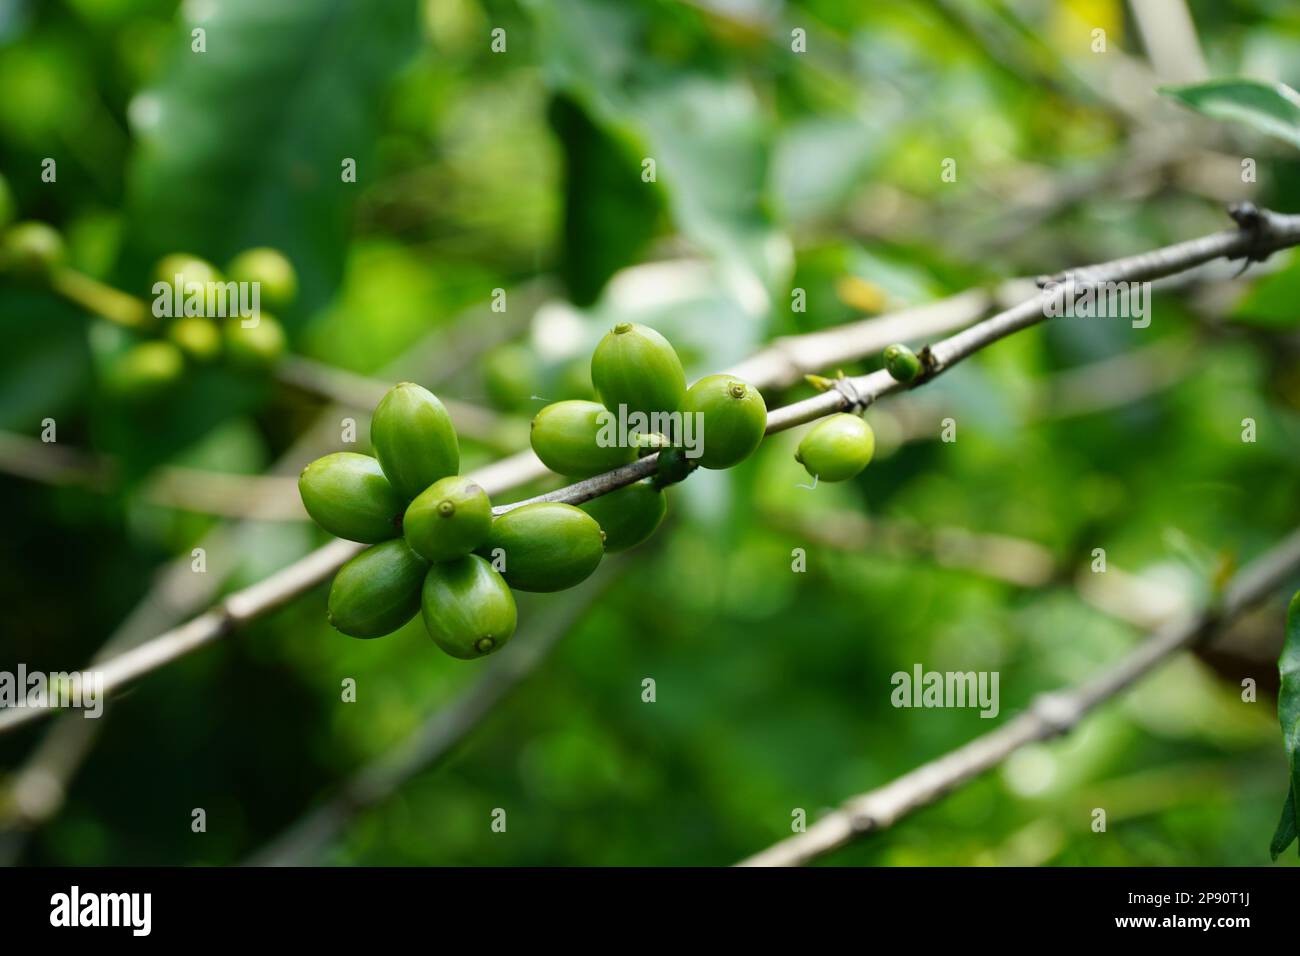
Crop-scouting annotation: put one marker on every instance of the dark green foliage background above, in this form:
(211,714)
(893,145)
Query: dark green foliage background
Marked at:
(818,171)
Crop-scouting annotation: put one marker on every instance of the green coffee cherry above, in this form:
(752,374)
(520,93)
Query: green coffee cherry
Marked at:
(191,270)
(579,439)
(197,337)
(837,448)
(145,371)
(255,348)
(377,591)
(449,518)
(545,546)
(31,251)
(628,516)
(902,363)
(7,205)
(277,282)
(414,439)
(348,495)
(634,365)
(734,419)
(468,609)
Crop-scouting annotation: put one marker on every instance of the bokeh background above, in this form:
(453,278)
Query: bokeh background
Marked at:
(521,170)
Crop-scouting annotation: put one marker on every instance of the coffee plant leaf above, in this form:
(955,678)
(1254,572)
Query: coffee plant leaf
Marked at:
(1288,713)
(1271,108)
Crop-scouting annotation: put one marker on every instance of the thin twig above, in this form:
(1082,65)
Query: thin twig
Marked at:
(1087,389)
(1048,715)
(1112,382)
(1261,233)
(198,490)
(1143,603)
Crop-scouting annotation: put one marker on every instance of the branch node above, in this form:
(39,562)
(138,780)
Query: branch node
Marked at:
(1251,221)
(1059,711)
(862,821)
(846,388)
(929,365)
(1245,214)
(228,618)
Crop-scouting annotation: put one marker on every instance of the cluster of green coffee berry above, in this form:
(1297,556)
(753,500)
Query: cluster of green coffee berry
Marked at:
(189,333)
(436,546)
(252,344)
(437,549)
(34,252)
(635,369)
(423,521)
(638,377)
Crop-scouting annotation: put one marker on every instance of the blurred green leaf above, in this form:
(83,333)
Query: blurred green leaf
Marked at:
(1288,714)
(1286,827)
(1272,108)
(609,213)
(706,133)
(819,162)
(44,361)
(244,144)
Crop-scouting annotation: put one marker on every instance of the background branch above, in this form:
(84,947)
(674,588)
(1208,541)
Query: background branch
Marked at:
(497,431)
(1120,594)
(1049,715)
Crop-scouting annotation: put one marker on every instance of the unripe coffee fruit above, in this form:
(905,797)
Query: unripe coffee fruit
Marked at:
(277,283)
(190,271)
(837,448)
(579,439)
(545,546)
(628,516)
(902,363)
(449,518)
(348,495)
(414,439)
(634,365)
(31,251)
(145,371)
(468,609)
(733,419)
(254,348)
(377,591)
(197,337)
